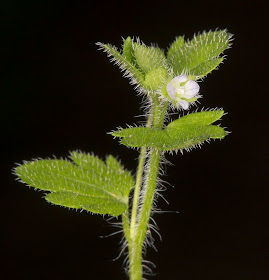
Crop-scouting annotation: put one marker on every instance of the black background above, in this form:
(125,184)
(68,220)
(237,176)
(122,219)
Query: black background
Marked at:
(58,93)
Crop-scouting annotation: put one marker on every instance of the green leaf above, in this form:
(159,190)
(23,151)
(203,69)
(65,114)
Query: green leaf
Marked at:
(89,161)
(124,63)
(115,166)
(90,184)
(149,58)
(216,132)
(198,118)
(206,67)
(175,47)
(93,204)
(199,50)
(141,136)
(113,172)
(155,78)
(127,50)
(186,137)
(184,133)
(190,135)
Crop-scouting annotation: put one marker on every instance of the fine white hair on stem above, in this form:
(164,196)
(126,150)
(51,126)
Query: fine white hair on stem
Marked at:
(111,234)
(148,267)
(123,249)
(152,226)
(123,242)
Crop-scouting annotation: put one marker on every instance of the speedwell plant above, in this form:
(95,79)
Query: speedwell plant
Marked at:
(168,82)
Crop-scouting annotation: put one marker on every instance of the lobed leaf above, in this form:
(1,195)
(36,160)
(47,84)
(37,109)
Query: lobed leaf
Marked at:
(94,204)
(115,166)
(177,139)
(88,161)
(83,184)
(184,133)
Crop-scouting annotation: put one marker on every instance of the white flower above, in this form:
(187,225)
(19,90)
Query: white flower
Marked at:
(181,93)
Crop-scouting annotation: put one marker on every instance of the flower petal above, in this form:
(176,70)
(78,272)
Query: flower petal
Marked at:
(179,80)
(171,91)
(184,104)
(191,88)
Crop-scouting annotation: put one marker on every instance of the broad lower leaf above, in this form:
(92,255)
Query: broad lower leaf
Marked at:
(88,184)
(111,171)
(113,164)
(98,205)
(89,161)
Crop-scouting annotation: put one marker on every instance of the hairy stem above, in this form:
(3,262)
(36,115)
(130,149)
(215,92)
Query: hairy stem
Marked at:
(139,176)
(148,198)
(135,259)
(141,226)
(137,189)
(126,226)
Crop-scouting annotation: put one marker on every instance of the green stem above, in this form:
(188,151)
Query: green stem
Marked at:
(135,259)
(149,197)
(139,176)
(137,238)
(137,190)
(125,225)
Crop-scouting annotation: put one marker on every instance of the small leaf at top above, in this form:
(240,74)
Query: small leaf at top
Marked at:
(200,49)
(177,44)
(124,64)
(128,51)
(155,78)
(206,67)
(149,58)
